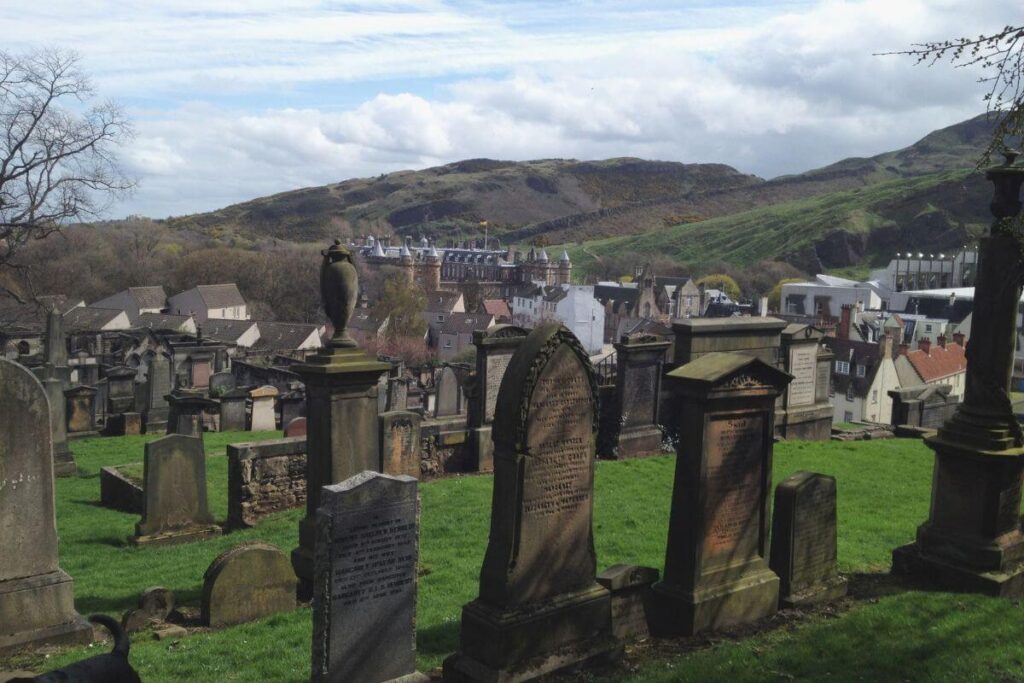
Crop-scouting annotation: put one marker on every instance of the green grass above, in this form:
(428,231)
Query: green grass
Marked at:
(883,491)
(771,231)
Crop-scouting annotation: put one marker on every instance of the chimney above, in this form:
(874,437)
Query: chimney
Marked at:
(958,338)
(844,323)
(941,341)
(885,347)
(925,345)
(902,350)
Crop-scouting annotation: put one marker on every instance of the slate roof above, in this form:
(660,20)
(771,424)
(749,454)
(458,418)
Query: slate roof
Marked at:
(149,297)
(856,353)
(161,321)
(282,336)
(362,319)
(221,296)
(939,362)
(226,330)
(441,302)
(465,323)
(89,319)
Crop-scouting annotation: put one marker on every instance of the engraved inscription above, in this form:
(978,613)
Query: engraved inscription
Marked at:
(803,360)
(374,555)
(639,400)
(814,535)
(734,460)
(496,366)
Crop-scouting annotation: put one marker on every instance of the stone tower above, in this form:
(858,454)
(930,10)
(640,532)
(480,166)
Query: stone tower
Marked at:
(544,267)
(407,264)
(564,268)
(432,270)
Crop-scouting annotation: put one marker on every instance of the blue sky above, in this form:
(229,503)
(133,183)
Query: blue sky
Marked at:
(262,96)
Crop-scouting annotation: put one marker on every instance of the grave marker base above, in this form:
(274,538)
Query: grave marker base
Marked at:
(638,442)
(514,645)
(174,537)
(833,589)
(747,599)
(64,464)
(909,559)
(44,606)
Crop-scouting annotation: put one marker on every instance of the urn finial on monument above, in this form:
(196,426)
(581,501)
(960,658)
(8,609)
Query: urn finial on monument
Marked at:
(339,287)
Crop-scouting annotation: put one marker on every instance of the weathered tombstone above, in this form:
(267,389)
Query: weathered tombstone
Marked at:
(36,596)
(296,427)
(221,382)
(630,586)
(631,425)
(400,443)
(494,349)
(80,411)
(120,390)
(174,486)
(158,386)
(803,550)
(246,583)
(804,411)
(55,345)
(292,406)
(263,417)
(232,410)
(364,608)
(123,424)
(186,413)
(540,608)
(716,573)
(63,459)
(446,400)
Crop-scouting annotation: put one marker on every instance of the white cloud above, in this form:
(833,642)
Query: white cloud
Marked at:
(769,89)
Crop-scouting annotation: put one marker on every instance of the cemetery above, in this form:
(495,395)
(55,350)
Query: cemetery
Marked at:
(472,463)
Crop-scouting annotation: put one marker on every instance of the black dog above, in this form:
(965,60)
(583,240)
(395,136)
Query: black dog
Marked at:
(112,667)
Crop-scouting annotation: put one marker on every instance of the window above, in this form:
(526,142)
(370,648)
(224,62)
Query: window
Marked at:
(842,367)
(927,328)
(874,395)
(849,393)
(861,370)
(847,416)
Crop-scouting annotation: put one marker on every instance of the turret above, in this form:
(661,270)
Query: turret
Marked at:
(432,268)
(564,268)
(407,265)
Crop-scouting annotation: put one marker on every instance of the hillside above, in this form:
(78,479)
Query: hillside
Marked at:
(453,199)
(931,213)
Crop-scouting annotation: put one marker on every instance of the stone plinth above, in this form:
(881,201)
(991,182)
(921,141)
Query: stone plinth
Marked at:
(804,540)
(36,596)
(630,586)
(758,337)
(631,428)
(716,570)
(540,608)
(246,583)
(174,490)
(63,459)
(80,411)
(186,413)
(233,416)
(120,389)
(342,434)
(804,411)
(400,443)
(364,609)
(158,385)
(263,417)
(494,349)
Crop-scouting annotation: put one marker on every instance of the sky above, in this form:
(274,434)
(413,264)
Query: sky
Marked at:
(233,99)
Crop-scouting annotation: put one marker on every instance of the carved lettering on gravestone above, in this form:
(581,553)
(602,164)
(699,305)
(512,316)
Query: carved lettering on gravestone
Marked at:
(803,360)
(734,458)
(823,381)
(814,536)
(639,403)
(496,366)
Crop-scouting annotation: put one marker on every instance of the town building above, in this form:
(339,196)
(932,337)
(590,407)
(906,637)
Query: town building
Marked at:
(572,305)
(940,363)
(204,302)
(136,301)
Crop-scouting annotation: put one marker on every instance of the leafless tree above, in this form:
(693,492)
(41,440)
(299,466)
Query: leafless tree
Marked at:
(1000,56)
(58,148)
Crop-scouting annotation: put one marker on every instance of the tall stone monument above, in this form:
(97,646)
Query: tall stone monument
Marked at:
(341,405)
(63,459)
(36,596)
(159,384)
(364,609)
(447,399)
(633,428)
(494,349)
(540,608)
(972,539)
(716,569)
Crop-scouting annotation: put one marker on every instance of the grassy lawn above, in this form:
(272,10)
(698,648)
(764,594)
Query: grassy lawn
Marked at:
(883,495)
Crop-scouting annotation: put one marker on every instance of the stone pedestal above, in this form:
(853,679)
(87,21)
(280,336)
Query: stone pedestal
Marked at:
(972,540)
(263,417)
(80,411)
(63,459)
(342,434)
(494,349)
(36,597)
(804,411)
(631,428)
(120,390)
(186,413)
(232,410)
(716,573)
(158,385)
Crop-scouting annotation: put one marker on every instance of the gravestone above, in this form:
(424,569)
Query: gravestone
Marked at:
(631,425)
(364,608)
(36,596)
(630,586)
(804,540)
(220,383)
(174,489)
(400,443)
(246,583)
(263,418)
(186,413)
(540,608)
(494,349)
(158,386)
(233,417)
(292,406)
(80,411)
(123,424)
(120,390)
(446,398)
(716,570)
(296,427)
(804,411)
(63,458)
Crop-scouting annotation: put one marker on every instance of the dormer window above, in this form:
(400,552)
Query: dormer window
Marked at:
(842,367)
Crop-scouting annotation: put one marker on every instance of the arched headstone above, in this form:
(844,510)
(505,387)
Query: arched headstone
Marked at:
(247,582)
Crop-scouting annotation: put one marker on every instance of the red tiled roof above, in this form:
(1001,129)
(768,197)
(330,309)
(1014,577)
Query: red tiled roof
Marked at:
(498,308)
(939,362)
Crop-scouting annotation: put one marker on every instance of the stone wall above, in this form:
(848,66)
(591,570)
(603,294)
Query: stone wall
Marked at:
(120,492)
(265,477)
(444,448)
